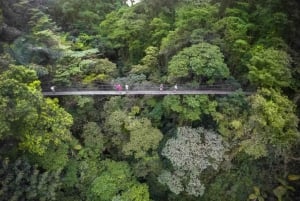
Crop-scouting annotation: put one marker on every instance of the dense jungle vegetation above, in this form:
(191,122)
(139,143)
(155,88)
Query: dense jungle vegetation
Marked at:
(137,148)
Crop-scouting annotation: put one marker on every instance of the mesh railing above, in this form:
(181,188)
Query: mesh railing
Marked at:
(109,87)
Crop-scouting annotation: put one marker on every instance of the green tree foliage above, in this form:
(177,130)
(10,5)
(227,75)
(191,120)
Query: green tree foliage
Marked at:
(1,17)
(234,39)
(189,108)
(125,29)
(136,136)
(80,15)
(43,29)
(234,28)
(41,46)
(136,192)
(117,183)
(143,138)
(159,29)
(99,68)
(270,23)
(149,63)
(154,8)
(237,183)
(55,157)
(231,116)
(130,135)
(188,18)
(190,153)
(269,67)
(22,181)
(83,68)
(202,62)
(35,123)
(93,137)
(236,23)
(264,123)
(272,121)
(81,174)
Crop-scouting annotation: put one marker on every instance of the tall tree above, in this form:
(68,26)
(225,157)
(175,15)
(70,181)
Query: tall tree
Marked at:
(190,20)
(190,153)
(272,123)
(269,67)
(82,16)
(189,108)
(202,63)
(136,136)
(125,29)
(116,183)
(22,181)
(29,120)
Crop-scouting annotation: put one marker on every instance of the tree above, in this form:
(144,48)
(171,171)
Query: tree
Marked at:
(269,67)
(188,17)
(83,68)
(262,124)
(144,139)
(203,63)
(270,23)
(149,64)
(93,137)
(22,181)
(137,192)
(55,158)
(272,121)
(159,29)
(1,17)
(237,183)
(231,116)
(132,136)
(82,16)
(124,28)
(29,120)
(191,152)
(189,108)
(97,70)
(116,183)
(234,41)
(136,136)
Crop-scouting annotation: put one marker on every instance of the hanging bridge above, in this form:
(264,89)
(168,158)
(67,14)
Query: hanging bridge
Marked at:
(220,89)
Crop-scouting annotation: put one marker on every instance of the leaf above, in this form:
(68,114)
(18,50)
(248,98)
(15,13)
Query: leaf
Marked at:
(256,190)
(293,177)
(252,196)
(77,147)
(279,192)
(283,182)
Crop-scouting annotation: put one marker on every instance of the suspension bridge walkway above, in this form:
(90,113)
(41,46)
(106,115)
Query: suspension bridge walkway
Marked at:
(143,90)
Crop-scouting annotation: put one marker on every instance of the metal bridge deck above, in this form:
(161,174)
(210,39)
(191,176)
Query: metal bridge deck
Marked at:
(138,92)
(134,89)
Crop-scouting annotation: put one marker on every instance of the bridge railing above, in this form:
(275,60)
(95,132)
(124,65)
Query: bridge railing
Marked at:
(136,87)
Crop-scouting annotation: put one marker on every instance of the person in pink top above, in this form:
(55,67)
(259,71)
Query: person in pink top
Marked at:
(118,87)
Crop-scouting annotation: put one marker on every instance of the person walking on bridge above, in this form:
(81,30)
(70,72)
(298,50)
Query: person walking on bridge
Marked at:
(118,87)
(175,87)
(161,87)
(52,89)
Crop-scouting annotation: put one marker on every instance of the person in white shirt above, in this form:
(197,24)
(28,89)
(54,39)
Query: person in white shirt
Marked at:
(52,89)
